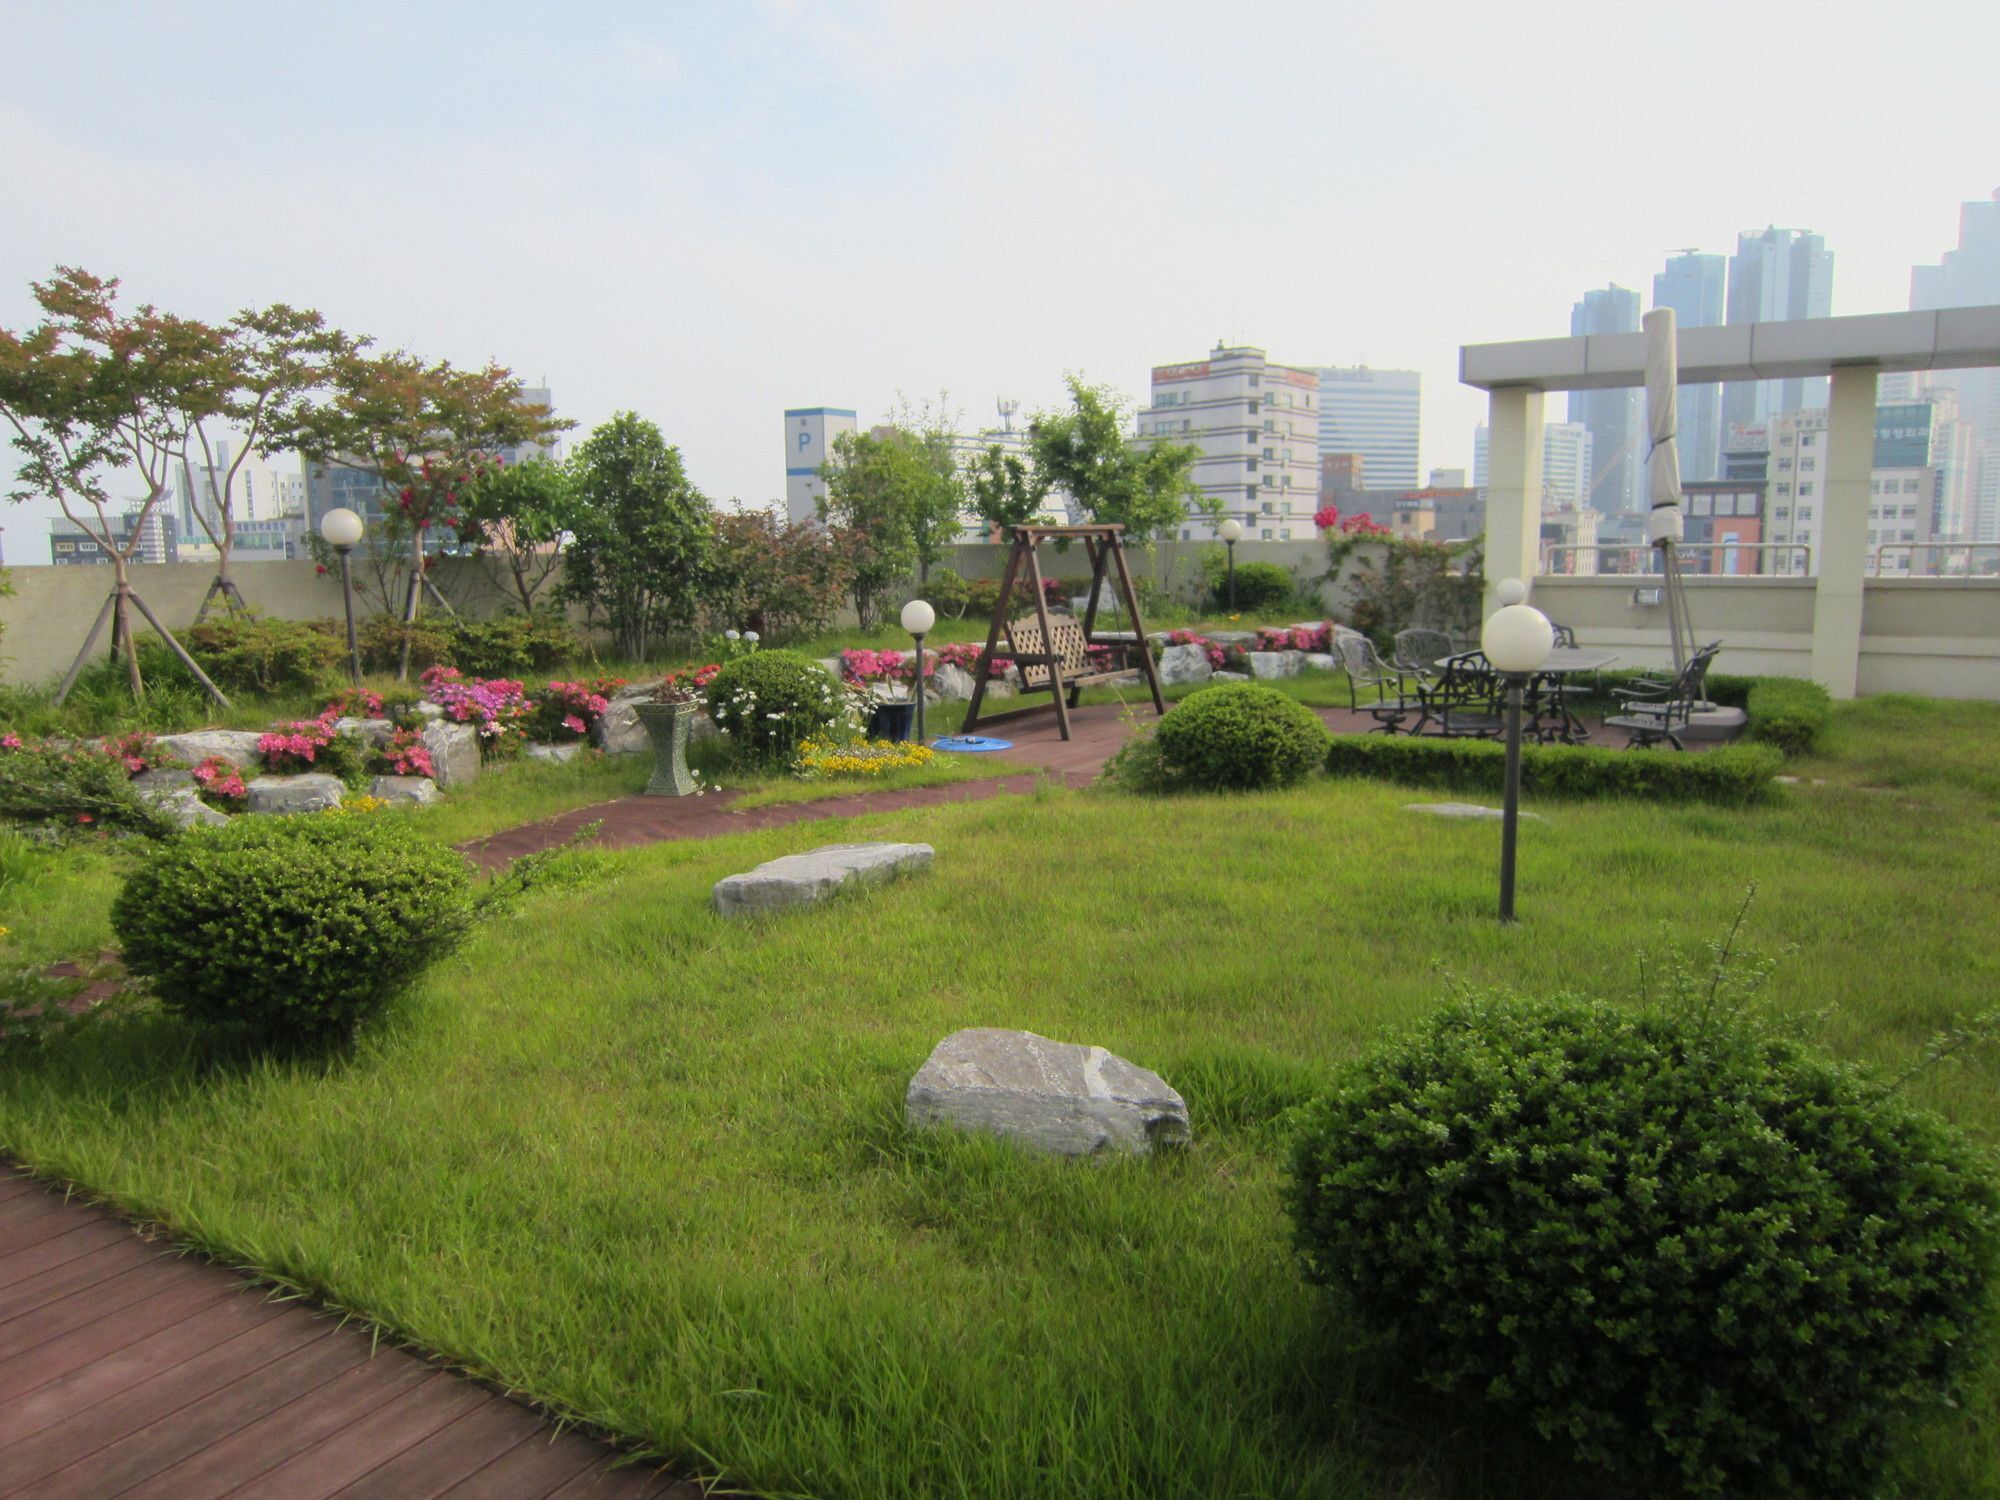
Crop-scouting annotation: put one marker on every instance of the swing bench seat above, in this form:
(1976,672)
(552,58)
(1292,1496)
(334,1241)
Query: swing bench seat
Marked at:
(1068,649)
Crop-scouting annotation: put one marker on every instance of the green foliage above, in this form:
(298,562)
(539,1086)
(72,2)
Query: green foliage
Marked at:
(1401,583)
(782,579)
(290,931)
(641,534)
(769,701)
(1732,776)
(1789,712)
(1703,1257)
(875,489)
(249,652)
(948,593)
(521,512)
(1260,586)
(1238,736)
(382,639)
(1113,480)
(74,789)
(1006,488)
(510,645)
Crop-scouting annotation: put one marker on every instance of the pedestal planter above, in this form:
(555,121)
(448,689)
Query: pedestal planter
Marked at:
(891,721)
(667,727)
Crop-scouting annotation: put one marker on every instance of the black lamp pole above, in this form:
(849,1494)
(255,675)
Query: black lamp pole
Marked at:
(347,598)
(920,686)
(1511,809)
(1231,545)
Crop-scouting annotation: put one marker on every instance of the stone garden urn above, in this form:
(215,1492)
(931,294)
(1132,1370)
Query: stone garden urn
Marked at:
(667,727)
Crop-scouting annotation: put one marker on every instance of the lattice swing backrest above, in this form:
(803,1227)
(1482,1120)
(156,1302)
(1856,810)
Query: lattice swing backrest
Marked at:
(1026,637)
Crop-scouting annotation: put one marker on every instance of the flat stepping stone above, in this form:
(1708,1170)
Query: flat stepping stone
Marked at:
(1462,810)
(801,879)
(1052,1096)
(237,746)
(284,796)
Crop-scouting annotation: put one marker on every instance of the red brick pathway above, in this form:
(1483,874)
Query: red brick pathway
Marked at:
(128,1369)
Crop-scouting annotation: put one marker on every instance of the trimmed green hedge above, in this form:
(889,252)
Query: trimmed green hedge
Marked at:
(1788,712)
(1733,775)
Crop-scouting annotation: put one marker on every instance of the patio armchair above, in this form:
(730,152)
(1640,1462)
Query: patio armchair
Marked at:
(1650,718)
(1419,650)
(1464,702)
(1367,672)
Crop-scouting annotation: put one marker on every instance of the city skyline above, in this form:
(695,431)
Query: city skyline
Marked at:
(717,215)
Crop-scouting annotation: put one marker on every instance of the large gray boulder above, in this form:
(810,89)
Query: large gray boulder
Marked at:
(237,746)
(950,684)
(374,731)
(554,754)
(161,780)
(1321,661)
(1053,1096)
(1230,677)
(1231,637)
(414,791)
(183,805)
(1184,664)
(1270,664)
(285,795)
(618,730)
(801,879)
(454,752)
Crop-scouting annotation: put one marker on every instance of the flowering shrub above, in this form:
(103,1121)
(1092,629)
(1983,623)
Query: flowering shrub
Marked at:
(883,666)
(75,786)
(566,711)
(771,702)
(1329,518)
(404,755)
(296,746)
(134,752)
(965,656)
(1298,638)
(219,782)
(12,741)
(354,702)
(497,706)
(1192,638)
(818,759)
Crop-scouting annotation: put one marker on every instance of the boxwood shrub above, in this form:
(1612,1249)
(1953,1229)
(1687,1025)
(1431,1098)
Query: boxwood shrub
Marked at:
(1789,712)
(1238,736)
(768,702)
(1706,1259)
(290,930)
(253,653)
(1732,776)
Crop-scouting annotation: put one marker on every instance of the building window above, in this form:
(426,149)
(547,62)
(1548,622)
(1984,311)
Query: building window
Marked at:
(1255,381)
(1284,533)
(1250,464)
(1784,513)
(1264,535)
(1270,509)
(1808,439)
(1909,486)
(1269,425)
(1270,452)
(1909,512)
(1249,492)
(1251,404)
(1270,481)
(1806,465)
(1805,512)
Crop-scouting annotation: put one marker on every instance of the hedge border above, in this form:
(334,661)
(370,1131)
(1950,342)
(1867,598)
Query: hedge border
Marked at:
(1733,776)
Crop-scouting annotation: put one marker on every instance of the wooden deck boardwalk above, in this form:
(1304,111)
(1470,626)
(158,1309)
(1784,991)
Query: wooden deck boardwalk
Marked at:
(127,1368)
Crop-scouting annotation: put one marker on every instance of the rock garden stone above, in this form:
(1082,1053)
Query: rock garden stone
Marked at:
(184,806)
(1231,637)
(284,795)
(420,791)
(1320,661)
(157,783)
(1054,1096)
(454,752)
(950,683)
(1265,665)
(375,731)
(801,879)
(1461,810)
(1229,677)
(237,746)
(555,754)
(428,711)
(618,730)
(1184,664)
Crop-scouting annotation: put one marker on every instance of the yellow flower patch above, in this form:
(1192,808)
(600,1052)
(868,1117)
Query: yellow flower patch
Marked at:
(817,759)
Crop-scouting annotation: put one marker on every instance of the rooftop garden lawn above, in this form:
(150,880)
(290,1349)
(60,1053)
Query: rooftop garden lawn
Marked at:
(650,1168)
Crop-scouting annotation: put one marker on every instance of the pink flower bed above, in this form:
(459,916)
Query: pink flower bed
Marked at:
(498,707)
(1300,638)
(295,746)
(1215,653)
(354,702)
(405,755)
(221,782)
(861,667)
(566,710)
(965,656)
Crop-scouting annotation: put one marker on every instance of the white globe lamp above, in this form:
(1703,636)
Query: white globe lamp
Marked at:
(1231,532)
(918,617)
(341,528)
(1516,640)
(1511,591)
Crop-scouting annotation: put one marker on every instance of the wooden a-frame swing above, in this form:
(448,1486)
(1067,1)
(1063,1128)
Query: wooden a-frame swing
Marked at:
(1051,649)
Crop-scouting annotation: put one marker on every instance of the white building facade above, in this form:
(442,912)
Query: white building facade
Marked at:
(1257,425)
(810,433)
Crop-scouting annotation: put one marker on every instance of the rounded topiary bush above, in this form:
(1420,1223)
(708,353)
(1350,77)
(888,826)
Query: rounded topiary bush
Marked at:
(770,701)
(1259,585)
(1708,1259)
(290,930)
(1239,735)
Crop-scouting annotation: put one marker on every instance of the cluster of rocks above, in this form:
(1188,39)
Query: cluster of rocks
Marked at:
(1190,663)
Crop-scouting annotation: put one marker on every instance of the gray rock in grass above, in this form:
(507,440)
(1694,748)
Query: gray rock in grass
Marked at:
(1461,810)
(1320,661)
(184,806)
(313,792)
(374,731)
(237,746)
(555,754)
(801,879)
(158,782)
(1270,664)
(415,791)
(1184,664)
(1229,677)
(454,752)
(951,684)
(1053,1096)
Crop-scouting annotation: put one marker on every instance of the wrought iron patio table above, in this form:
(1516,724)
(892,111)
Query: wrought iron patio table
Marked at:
(1547,691)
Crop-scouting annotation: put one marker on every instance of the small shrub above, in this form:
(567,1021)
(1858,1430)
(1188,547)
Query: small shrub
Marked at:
(771,702)
(497,707)
(253,653)
(1733,776)
(405,754)
(1239,735)
(565,711)
(947,593)
(219,782)
(1788,712)
(71,787)
(290,930)
(1704,1257)
(511,645)
(1260,586)
(381,640)
(314,745)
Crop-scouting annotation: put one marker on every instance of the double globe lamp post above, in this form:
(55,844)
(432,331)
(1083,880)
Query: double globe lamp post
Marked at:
(918,617)
(1516,641)
(1231,532)
(341,528)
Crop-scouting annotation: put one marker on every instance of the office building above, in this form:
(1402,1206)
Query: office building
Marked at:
(71,545)
(1693,285)
(1969,276)
(1377,414)
(1776,276)
(1566,463)
(810,433)
(1257,425)
(1616,419)
(1341,477)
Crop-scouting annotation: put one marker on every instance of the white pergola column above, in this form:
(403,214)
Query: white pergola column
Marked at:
(1513,487)
(1843,529)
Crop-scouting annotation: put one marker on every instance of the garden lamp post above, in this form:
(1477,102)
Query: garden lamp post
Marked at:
(918,617)
(1516,639)
(1231,532)
(342,529)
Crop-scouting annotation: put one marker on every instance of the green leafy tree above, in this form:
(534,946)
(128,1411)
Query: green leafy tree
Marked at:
(869,486)
(934,492)
(780,578)
(1146,488)
(641,534)
(521,514)
(1007,489)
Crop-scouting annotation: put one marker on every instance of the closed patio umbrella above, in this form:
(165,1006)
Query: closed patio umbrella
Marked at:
(1664,526)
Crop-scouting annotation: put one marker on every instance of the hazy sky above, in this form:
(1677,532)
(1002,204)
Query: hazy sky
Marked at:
(709,212)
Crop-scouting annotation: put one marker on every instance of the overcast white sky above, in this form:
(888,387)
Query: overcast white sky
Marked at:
(709,212)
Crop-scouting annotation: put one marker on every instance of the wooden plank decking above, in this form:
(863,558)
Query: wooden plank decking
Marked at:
(128,1369)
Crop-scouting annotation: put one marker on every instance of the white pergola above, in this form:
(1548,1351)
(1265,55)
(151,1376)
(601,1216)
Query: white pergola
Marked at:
(1853,351)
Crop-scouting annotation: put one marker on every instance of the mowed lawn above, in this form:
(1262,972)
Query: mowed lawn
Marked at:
(649,1166)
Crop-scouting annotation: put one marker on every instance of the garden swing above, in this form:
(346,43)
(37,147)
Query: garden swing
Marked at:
(1053,649)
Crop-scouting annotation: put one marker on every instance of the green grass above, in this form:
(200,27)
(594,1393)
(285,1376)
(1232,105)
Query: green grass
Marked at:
(649,1166)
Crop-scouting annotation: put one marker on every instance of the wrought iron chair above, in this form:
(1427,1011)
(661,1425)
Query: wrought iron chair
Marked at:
(1652,718)
(1564,635)
(1367,671)
(1464,702)
(1419,650)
